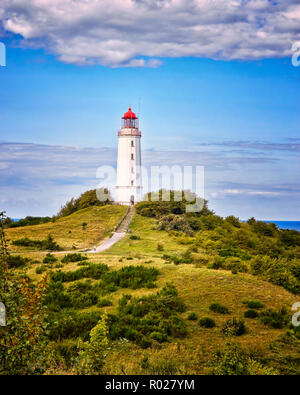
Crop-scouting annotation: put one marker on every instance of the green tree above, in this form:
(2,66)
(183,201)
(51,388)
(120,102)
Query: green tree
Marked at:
(92,354)
(22,340)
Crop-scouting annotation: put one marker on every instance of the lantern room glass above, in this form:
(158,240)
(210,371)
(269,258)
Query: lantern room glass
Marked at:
(130,123)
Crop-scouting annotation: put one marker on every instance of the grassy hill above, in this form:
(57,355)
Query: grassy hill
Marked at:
(69,231)
(188,347)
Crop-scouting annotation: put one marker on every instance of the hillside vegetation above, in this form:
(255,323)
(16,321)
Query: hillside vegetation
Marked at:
(179,294)
(82,229)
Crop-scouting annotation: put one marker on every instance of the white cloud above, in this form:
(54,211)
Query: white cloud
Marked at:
(136,33)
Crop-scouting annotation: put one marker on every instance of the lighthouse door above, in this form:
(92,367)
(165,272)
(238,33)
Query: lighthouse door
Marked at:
(132,199)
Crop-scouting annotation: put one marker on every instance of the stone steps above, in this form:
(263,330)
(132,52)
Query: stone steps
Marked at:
(123,227)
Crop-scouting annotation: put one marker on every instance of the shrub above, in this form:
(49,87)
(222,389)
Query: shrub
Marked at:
(66,351)
(40,269)
(210,222)
(47,244)
(235,264)
(92,354)
(133,277)
(192,317)
(234,327)
(254,304)
(233,221)
(49,258)
(16,261)
(94,271)
(104,303)
(50,244)
(148,318)
(70,324)
(234,361)
(160,247)
(134,237)
(216,264)
(264,229)
(207,322)
(175,222)
(274,319)
(219,308)
(251,314)
(73,258)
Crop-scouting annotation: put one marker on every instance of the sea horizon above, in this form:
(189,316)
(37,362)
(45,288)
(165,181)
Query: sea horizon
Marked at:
(291,225)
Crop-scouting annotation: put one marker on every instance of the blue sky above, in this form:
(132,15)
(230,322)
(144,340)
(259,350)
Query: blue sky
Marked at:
(238,115)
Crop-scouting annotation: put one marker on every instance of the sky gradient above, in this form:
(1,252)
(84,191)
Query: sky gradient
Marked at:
(232,107)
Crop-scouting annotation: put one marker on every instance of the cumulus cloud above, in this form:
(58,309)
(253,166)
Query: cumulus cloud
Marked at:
(137,33)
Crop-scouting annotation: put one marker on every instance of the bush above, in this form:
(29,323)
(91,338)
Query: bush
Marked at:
(274,319)
(216,264)
(235,264)
(16,261)
(264,228)
(207,322)
(40,269)
(69,324)
(233,361)
(175,222)
(192,317)
(133,277)
(148,318)
(73,257)
(234,327)
(254,304)
(47,244)
(104,303)
(233,221)
(219,308)
(160,247)
(92,354)
(251,314)
(134,237)
(89,271)
(49,258)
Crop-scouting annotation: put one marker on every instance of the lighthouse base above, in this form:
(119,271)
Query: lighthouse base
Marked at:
(128,195)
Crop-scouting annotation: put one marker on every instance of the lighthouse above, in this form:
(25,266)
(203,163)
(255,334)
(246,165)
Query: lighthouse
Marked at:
(129,181)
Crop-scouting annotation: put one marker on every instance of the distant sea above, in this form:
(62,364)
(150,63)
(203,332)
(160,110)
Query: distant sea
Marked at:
(287,224)
(281,224)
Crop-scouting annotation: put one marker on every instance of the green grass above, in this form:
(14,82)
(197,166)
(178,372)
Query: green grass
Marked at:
(68,231)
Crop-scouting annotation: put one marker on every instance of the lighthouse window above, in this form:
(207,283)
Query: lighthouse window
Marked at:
(132,183)
(132,157)
(132,143)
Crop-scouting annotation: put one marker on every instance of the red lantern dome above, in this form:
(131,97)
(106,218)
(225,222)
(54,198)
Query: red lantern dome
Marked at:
(129,114)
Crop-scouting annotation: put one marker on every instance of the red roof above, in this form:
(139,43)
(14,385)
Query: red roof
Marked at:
(129,114)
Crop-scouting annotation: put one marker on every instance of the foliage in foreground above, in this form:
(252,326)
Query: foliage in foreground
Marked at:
(22,340)
(149,318)
(233,361)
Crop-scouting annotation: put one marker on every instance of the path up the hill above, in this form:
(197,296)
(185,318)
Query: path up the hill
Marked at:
(119,233)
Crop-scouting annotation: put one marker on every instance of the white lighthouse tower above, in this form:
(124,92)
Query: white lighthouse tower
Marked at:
(129,180)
